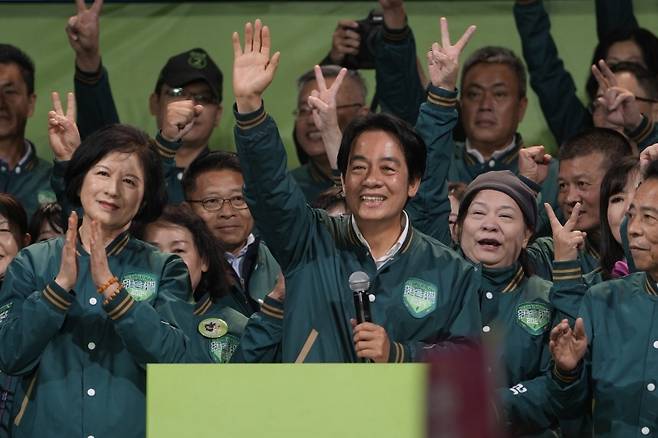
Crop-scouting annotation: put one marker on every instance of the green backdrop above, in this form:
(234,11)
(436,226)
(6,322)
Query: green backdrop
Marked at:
(137,39)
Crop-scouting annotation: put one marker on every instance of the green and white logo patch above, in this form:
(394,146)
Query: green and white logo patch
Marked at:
(419,297)
(4,312)
(197,60)
(141,286)
(534,317)
(222,349)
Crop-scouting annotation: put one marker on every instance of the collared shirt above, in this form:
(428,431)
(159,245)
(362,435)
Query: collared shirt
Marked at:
(26,156)
(495,155)
(393,250)
(236,261)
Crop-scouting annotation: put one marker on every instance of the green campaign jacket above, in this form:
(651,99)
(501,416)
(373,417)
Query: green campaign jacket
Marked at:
(425,293)
(214,330)
(83,362)
(29,181)
(312,181)
(620,372)
(540,253)
(261,339)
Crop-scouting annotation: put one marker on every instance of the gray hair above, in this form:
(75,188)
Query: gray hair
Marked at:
(498,55)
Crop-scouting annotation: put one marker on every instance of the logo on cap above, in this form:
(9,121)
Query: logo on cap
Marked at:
(198,60)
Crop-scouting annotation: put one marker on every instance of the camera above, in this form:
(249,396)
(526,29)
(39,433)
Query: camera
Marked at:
(368,28)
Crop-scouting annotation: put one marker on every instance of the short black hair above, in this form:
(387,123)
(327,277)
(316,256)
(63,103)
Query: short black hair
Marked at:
(13,210)
(215,280)
(13,55)
(215,160)
(608,142)
(498,55)
(613,182)
(413,146)
(51,213)
(126,139)
(646,41)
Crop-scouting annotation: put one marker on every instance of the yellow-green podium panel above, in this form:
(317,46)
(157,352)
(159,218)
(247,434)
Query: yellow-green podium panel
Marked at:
(285,400)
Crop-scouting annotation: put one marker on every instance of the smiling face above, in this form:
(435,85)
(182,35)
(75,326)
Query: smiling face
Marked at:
(178,240)
(491,106)
(377,182)
(493,231)
(230,226)
(16,104)
(112,190)
(579,180)
(643,227)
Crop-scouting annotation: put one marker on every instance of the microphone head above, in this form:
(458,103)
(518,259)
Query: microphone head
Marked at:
(359,281)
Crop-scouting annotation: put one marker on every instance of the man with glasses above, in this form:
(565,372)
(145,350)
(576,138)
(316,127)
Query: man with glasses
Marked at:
(314,175)
(213,187)
(191,77)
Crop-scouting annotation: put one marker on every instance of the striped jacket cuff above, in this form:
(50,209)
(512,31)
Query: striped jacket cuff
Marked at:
(441,97)
(166,148)
(272,308)
(89,78)
(249,120)
(399,353)
(120,305)
(642,131)
(566,377)
(396,35)
(567,272)
(57,297)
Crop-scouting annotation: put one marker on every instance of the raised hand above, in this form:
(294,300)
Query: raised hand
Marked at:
(179,119)
(323,103)
(68,267)
(568,346)
(534,163)
(253,69)
(279,291)
(83,30)
(443,59)
(619,105)
(63,134)
(566,240)
(345,41)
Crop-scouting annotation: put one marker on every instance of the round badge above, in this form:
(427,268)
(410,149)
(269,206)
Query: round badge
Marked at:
(213,328)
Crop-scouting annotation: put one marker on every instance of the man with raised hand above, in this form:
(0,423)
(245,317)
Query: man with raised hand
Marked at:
(187,82)
(423,293)
(608,361)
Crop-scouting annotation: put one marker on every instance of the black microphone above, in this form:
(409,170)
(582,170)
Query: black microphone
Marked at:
(360,283)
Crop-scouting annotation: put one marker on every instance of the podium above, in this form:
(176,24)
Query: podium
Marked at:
(286,400)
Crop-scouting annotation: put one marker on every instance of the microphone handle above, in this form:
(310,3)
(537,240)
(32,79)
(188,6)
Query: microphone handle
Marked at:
(362,306)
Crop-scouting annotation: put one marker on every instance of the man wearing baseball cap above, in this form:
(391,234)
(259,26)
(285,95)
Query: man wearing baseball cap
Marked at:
(190,78)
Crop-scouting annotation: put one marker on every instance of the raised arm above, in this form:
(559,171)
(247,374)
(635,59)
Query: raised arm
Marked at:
(564,112)
(430,208)
(92,85)
(399,87)
(276,202)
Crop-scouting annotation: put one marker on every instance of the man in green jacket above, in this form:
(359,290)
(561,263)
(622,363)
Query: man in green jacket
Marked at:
(422,291)
(22,173)
(493,101)
(191,76)
(609,360)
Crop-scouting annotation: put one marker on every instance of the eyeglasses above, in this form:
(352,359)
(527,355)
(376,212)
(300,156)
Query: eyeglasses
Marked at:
(593,106)
(305,110)
(215,204)
(199,98)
